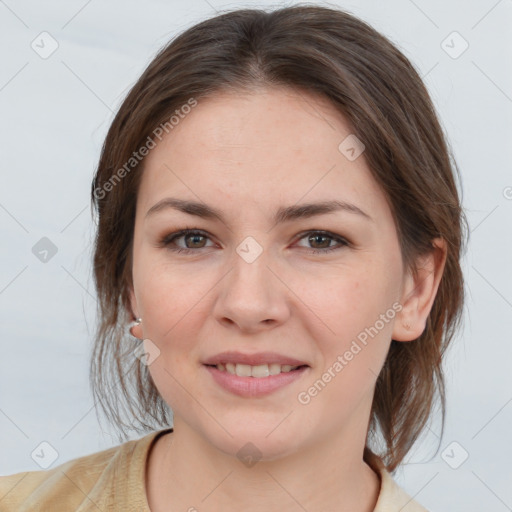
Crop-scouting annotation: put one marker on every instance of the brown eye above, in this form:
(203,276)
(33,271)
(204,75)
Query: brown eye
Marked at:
(322,242)
(314,239)
(193,240)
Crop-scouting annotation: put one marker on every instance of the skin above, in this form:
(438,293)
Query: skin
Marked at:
(247,154)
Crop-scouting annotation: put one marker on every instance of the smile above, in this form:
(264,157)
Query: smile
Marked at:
(254,381)
(258,371)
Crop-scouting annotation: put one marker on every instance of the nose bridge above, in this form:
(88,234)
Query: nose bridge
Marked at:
(250,278)
(251,293)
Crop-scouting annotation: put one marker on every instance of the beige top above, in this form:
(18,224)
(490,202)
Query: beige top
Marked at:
(114,480)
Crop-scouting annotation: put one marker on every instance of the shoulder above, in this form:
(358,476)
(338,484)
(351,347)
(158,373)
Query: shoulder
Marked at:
(82,484)
(392,498)
(63,486)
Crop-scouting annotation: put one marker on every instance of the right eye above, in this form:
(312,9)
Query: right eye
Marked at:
(192,236)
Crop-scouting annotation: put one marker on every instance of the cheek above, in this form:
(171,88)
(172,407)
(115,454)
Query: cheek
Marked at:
(166,292)
(356,310)
(348,301)
(171,311)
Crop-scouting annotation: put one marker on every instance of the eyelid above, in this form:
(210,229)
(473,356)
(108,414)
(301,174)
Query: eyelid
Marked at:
(171,237)
(342,241)
(181,233)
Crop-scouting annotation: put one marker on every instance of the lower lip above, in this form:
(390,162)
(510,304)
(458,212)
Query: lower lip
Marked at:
(254,386)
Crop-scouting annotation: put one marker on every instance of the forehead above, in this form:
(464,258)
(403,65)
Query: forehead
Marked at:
(267,147)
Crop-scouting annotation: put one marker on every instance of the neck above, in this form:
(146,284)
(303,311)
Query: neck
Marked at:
(188,473)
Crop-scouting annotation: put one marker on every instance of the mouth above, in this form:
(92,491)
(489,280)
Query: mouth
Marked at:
(254,381)
(259,371)
(254,375)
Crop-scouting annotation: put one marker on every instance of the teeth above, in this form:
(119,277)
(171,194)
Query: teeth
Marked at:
(274,368)
(243,370)
(262,370)
(258,371)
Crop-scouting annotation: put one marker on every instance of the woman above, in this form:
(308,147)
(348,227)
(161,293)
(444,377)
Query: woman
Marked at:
(280,231)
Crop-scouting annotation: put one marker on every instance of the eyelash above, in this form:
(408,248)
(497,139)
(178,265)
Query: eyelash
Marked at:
(169,239)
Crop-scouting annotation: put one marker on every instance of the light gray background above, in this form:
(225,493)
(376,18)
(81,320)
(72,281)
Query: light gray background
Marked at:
(54,115)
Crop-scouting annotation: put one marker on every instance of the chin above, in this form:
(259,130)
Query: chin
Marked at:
(254,443)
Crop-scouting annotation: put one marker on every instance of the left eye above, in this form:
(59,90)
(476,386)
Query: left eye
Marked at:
(198,238)
(315,236)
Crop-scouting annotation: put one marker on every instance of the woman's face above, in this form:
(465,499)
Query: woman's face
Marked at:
(259,277)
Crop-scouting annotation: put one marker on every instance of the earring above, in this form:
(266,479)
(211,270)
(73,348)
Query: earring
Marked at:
(407,326)
(134,324)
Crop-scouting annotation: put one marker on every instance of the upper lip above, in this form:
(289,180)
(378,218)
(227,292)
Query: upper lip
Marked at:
(253,359)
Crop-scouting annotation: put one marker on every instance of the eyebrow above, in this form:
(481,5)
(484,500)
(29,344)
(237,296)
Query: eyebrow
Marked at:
(283,214)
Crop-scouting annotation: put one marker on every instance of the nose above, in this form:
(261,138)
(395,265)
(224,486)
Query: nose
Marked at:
(252,297)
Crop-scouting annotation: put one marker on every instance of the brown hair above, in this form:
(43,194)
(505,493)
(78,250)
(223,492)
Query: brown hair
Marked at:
(332,54)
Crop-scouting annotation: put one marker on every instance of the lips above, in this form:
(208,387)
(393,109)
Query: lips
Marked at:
(253,387)
(256,359)
(254,375)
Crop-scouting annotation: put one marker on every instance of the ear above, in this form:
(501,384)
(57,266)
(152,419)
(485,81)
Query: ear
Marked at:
(419,292)
(136,330)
